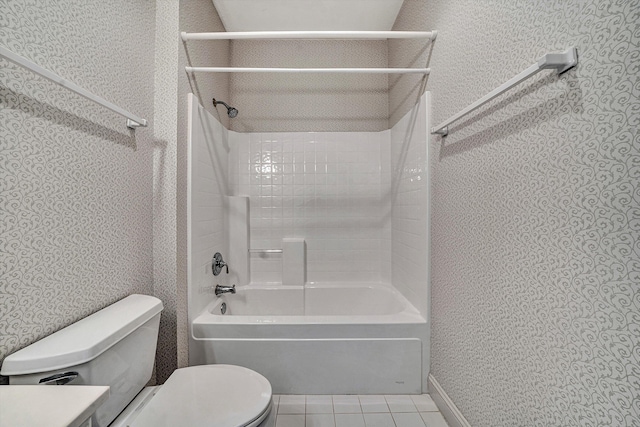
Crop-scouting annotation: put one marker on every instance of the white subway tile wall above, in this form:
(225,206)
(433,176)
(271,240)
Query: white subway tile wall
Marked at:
(330,188)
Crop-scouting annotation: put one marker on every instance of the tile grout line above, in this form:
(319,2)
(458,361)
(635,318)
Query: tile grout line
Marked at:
(358,399)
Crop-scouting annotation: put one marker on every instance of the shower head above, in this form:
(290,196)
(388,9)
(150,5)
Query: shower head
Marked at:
(231,112)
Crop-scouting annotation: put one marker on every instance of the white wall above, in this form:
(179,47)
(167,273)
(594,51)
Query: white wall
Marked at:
(207,190)
(410,182)
(326,187)
(358,198)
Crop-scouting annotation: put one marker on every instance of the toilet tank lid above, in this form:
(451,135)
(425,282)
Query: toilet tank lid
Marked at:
(84,340)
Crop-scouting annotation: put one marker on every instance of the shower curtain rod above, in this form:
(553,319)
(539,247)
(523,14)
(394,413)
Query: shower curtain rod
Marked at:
(308,70)
(344,35)
(133,121)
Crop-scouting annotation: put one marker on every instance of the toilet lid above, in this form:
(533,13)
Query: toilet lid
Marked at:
(208,395)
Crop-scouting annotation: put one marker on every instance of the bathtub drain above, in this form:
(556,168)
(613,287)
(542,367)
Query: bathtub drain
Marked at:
(223,308)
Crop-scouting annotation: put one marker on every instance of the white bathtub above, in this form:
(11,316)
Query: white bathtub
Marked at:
(318,339)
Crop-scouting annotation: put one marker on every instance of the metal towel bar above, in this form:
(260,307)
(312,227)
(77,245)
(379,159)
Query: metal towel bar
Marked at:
(561,62)
(132,120)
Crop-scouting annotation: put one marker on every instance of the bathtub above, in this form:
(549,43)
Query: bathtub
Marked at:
(318,339)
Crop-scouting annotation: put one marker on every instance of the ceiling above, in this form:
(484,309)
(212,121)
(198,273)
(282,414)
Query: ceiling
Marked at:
(309,15)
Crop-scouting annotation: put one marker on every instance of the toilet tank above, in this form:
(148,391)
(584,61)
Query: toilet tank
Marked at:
(115,346)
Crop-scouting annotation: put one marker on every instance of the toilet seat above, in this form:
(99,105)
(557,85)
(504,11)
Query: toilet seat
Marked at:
(211,396)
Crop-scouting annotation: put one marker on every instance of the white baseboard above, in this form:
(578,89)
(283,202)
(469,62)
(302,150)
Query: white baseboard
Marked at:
(446,406)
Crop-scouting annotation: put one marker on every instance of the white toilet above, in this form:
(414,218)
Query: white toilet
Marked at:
(116,347)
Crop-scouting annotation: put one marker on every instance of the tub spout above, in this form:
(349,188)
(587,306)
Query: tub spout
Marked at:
(225,289)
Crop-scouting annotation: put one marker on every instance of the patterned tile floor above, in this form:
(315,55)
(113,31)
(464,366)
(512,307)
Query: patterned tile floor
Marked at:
(356,411)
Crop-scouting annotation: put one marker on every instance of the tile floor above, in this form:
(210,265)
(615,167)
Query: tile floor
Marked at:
(356,411)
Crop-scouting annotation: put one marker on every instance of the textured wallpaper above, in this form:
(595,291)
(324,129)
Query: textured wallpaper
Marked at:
(405,89)
(330,102)
(172,85)
(90,211)
(271,102)
(164,183)
(535,233)
(75,198)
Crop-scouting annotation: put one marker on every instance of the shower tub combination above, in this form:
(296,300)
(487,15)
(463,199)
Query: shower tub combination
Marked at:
(319,338)
(305,337)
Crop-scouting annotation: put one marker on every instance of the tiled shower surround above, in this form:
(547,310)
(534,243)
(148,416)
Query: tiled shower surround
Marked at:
(326,187)
(359,199)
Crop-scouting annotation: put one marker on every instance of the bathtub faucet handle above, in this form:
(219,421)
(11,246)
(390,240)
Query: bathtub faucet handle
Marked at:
(217,263)
(225,290)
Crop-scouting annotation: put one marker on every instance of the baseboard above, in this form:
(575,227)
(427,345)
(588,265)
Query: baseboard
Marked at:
(446,406)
